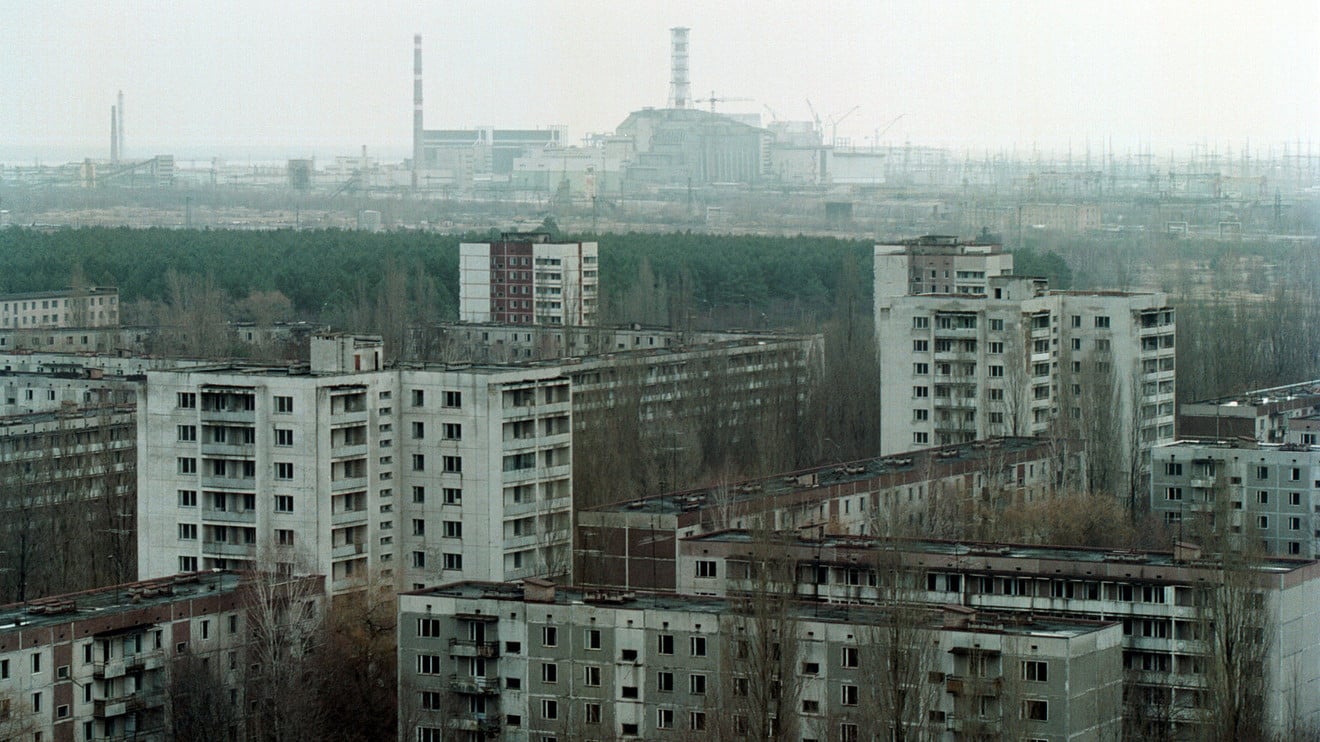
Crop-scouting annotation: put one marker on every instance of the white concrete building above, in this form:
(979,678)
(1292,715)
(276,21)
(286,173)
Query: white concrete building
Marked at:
(525,279)
(421,475)
(969,351)
(89,307)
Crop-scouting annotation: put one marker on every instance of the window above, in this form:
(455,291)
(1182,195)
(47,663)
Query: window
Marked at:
(187,400)
(187,498)
(549,708)
(418,431)
(188,531)
(418,462)
(920,346)
(849,657)
(1036,710)
(920,323)
(591,713)
(1263,521)
(1102,321)
(453,431)
(628,691)
(418,494)
(453,464)
(283,405)
(697,684)
(698,646)
(996,371)
(453,496)
(921,437)
(1294,498)
(706,568)
(549,672)
(697,721)
(284,470)
(920,392)
(665,644)
(921,369)
(593,638)
(1295,475)
(283,437)
(591,675)
(419,560)
(418,397)
(1262,497)
(453,529)
(36,704)
(1262,472)
(1173,469)
(664,718)
(284,537)
(1035,671)
(453,399)
(187,465)
(849,695)
(418,527)
(1173,493)
(187,564)
(665,681)
(187,432)
(284,503)
(549,636)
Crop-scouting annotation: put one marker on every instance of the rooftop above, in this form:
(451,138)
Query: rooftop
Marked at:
(1300,391)
(63,609)
(825,475)
(985,622)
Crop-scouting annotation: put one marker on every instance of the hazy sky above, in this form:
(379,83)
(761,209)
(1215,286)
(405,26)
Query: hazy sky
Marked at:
(323,78)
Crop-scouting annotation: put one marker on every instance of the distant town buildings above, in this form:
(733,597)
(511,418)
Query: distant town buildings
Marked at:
(526,279)
(1262,415)
(42,310)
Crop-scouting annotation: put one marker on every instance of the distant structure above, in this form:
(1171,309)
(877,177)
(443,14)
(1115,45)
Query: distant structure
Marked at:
(90,307)
(123,152)
(680,95)
(525,279)
(418,132)
(114,136)
(1262,415)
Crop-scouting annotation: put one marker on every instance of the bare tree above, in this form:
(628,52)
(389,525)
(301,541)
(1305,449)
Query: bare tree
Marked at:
(198,704)
(1233,618)
(285,617)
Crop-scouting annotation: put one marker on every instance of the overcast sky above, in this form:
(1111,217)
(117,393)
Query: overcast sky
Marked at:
(323,78)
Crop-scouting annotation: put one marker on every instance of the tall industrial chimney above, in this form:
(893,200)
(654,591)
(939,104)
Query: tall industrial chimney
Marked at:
(114,136)
(417,109)
(680,95)
(122,153)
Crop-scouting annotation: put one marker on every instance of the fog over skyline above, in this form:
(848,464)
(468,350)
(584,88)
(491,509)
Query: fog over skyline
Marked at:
(323,78)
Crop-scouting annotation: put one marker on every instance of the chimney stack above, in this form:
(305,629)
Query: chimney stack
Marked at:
(122,153)
(114,136)
(680,95)
(417,109)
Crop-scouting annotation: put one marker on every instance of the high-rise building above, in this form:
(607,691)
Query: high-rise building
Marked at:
(525,279)
(969,351)
(419,475)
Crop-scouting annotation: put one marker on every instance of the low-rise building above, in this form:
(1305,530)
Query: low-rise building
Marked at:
(1263,415)
(537,662)
(95,306)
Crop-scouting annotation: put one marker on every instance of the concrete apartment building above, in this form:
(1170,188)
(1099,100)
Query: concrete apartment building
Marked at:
(536,662)
(634,544)
(97,665)
(69,478)
(1159,598)
(89,307)
(419,475)
(969,351)
(1267,496)
(1264,415)
(60,386)
(525,279)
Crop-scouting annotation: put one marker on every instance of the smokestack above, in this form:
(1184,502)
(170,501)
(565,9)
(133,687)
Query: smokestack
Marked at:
(122,153)
(114,136)
(417,108)
(679,93)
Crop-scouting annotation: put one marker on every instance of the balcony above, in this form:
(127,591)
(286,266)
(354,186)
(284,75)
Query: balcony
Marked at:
(210,481)
(345,517)
(224,548)
(230,516)
(245,450)
(347,451)
(1203,483)
(120,705)
(348,483)
(474,686)
(486,724)
(348,550)
(472,648)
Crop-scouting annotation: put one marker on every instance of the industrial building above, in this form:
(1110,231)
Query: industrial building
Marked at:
(525,279)
(1262,415)
(541,662)
(1169,605)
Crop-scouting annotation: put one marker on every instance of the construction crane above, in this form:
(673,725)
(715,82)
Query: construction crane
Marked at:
(816,117)
(834,124)
(712,100)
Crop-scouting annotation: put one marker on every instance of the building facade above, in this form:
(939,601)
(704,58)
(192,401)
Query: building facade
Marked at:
(415,475)
(90,307)
(970,351)
(526,279)
(536,662)
(1169,605)
(1264,415)
(1267,496)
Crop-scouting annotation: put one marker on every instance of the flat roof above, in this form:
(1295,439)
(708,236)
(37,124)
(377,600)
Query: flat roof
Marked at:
(820,476)
(983,622)
(1269,395)
(63,609)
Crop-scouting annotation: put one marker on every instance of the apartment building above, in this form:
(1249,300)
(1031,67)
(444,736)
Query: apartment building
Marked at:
(1166,603)
(419,475)
(552,664)
(99,665)
(69,478)
(525,279)
(1266,496)
(90,307)
(1264,415)
(633,544)
(60,386)
(969,351)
